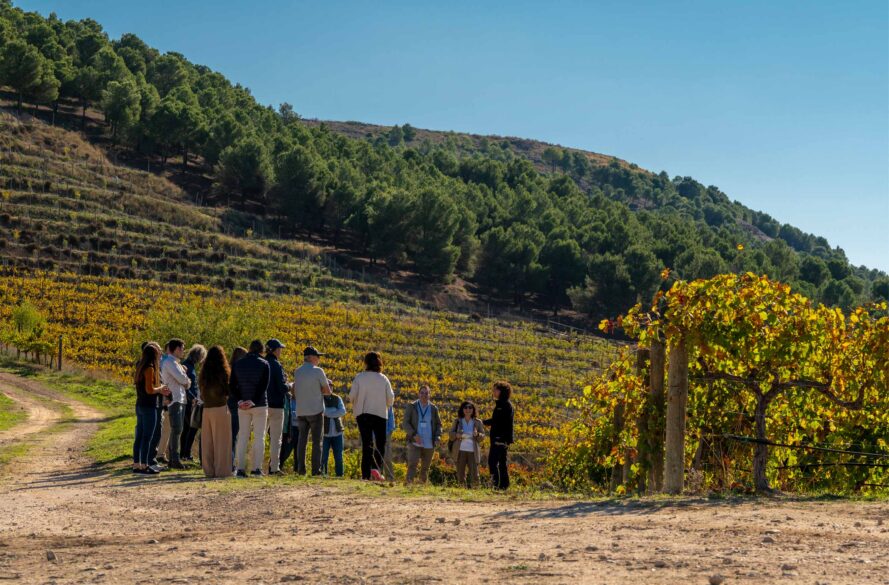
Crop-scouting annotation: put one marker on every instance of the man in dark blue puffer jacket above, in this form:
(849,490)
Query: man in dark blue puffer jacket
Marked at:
(249,386)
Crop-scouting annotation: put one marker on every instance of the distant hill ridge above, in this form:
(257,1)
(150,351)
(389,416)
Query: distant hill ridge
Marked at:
(527,148)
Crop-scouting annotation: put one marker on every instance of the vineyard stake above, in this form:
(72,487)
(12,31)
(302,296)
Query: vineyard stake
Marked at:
(677,400)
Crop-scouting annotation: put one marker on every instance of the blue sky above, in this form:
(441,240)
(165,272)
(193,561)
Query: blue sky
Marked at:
(783,105)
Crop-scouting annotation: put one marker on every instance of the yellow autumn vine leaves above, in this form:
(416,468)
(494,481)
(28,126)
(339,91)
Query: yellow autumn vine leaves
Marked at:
(104,321)
(750,327)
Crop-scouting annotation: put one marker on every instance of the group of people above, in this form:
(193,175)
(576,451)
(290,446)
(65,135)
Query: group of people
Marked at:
(230,400)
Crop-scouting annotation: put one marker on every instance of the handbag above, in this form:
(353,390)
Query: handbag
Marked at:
(197,416)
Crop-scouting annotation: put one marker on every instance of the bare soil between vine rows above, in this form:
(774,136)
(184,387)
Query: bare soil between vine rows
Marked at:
(64,521)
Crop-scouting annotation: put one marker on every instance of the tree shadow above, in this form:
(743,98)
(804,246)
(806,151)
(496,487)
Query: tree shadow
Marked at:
(64,478)
(618,506)
(129,479)
(653,505)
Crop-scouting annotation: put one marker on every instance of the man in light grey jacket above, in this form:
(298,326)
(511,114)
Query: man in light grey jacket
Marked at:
(422,429)
(309,387)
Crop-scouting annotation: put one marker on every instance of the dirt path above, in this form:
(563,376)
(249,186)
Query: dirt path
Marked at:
(63,522)
(40,416)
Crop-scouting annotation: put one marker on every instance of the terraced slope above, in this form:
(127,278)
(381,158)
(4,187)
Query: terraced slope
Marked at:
(66,207)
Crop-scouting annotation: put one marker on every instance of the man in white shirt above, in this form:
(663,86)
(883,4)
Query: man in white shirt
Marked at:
(173,375)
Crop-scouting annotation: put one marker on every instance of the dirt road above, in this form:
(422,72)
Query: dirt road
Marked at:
(40,416)
(61,521)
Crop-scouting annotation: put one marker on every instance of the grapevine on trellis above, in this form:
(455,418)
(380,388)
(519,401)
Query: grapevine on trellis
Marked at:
(770,361)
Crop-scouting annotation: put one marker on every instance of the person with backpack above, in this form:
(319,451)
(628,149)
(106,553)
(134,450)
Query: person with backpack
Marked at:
(466,436)
(173,376)
(279,396)
(216,427)
(148,394)
(309,387)
(422,431)
(195,357)
(249,387)
(334,411)
(501,423)
(371,396)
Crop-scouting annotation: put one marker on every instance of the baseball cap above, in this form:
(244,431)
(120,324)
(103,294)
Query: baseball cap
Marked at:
(311,351)
(274,344)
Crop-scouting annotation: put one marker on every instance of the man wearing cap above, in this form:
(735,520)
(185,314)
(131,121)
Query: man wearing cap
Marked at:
(278,393)
(309,386)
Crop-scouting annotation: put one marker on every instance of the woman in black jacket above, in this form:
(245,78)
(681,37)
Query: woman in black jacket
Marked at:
(501,434)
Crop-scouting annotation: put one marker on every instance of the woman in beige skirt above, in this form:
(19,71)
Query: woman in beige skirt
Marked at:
(216,424)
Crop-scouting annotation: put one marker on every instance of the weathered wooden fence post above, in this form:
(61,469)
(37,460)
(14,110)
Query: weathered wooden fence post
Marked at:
(60,353)
(643,424)
(677,401)
(657,355)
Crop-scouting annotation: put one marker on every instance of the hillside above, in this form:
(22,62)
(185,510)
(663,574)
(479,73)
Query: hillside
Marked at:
(637,187)
(64,206)
(507,221)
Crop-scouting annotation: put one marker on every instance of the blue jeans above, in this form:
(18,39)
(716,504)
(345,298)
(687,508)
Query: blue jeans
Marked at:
(337,444)
(148,433)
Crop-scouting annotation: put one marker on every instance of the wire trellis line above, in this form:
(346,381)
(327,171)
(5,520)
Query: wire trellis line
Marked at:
(802,447)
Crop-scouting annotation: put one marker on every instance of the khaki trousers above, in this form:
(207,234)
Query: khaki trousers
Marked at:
(276,429)
(419,455)
(216,442)
(252,418)
(163,447)
(467,459)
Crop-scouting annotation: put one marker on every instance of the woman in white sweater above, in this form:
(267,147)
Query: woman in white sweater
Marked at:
(371,396)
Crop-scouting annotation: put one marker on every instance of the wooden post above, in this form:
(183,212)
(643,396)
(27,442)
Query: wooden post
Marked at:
(677,401)
(656,420)
(643,424)
(60,353)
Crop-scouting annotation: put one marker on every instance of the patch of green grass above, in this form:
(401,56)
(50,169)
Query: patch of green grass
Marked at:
(11,413)
(113,441)
(13,451)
